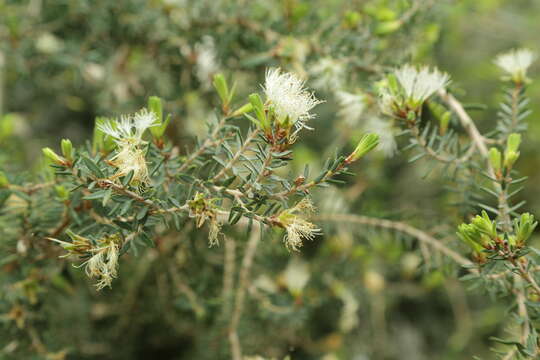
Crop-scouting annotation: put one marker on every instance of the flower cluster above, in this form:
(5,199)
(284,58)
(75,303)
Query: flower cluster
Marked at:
(203,209)
(102,256)
(515,63)
(127,134)
(297,227)
(483,237)
(352,106)
(408,87)
(289,100)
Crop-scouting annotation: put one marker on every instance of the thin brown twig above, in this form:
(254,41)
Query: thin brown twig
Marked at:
(401,227)
(236,156)
(228,273)
(210,141)
(245,271)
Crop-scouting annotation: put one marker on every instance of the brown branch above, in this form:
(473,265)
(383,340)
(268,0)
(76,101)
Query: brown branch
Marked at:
(239,153)
(245,270)
(401,227)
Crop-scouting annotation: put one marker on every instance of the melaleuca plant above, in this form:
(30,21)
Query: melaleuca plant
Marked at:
(132,183)
(503,261)
(140,203)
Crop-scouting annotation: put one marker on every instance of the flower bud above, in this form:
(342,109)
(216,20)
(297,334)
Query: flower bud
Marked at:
(220,84)
(4,182)
(470,236)
(524,227)
(367,143)
(443,121)
(155,105)
(52,156)
(512,146)
(495,159)
(513,142)
(243,109)
(510,158)
(484,225)
(61,192)
(258,107)
(67,149)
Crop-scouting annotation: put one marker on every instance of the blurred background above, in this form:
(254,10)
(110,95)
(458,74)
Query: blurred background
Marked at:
(355,293)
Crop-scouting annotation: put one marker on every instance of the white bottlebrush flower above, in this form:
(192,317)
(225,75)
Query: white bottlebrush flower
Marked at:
(130,128)
(297,227)
(352,106)
(328,74)
(131,159)
(515,63)
(387,101)
(296,276)
(206,64)
(288,97)
(127,133)
(385,130)
(419,84)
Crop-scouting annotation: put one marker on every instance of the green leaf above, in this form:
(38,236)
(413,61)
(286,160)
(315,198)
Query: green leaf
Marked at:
(93,167)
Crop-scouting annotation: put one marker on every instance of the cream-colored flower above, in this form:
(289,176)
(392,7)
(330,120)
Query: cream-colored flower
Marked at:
(419,84)
(130,159)
(515,63)
(328,74)
(387,101)
(385,130)
(130,128)
(352,106)
(296,226)
(207,63)
(127,133)
(289,99)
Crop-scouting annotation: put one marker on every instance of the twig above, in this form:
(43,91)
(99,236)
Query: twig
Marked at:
(228,273)
(402,227)
(210,141)
(236,156)
(466,122)
(247,262)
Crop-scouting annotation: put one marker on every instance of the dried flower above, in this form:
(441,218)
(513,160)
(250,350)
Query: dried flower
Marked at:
(215,230)
(102,254)
(103,265)
(203,209)
(288,99)
(296,226)
(515,63)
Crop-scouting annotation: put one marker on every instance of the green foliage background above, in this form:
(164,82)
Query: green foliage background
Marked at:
(66,62)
